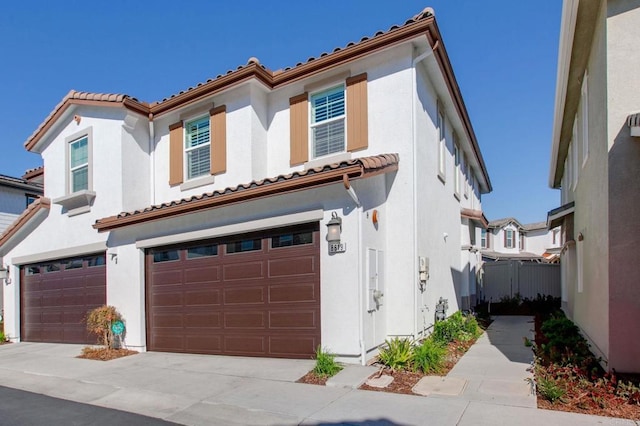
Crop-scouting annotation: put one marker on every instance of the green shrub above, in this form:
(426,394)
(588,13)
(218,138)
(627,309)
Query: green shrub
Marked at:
(2,336)
(565,345)
(550,389)
(456,327)
(99,323)
(326,365)
(429,356)
(397,353)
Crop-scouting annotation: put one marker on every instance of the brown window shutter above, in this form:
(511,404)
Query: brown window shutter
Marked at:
(299,129)
(176,152)
(488,239)
(357,105)
(218,124)
(505,238)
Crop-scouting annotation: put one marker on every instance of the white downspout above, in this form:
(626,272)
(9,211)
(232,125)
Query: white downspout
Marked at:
(356,200)
(152,156)
(414,129)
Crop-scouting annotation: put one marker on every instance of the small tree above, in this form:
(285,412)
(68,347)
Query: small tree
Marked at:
(99,323)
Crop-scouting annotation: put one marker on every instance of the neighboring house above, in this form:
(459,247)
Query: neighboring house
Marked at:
(509,239)
(15,195)
(594,162)
(205,217)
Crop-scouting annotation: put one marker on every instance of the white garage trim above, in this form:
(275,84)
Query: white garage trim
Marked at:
(59,254)
(236,228)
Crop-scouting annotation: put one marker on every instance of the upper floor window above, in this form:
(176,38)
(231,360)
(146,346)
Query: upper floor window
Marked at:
(484,240)
(197,147)
(584,118)
(79,164)
(509,238)
(31,198)
(328,122)
(456,170)
(521,241)
(467,172)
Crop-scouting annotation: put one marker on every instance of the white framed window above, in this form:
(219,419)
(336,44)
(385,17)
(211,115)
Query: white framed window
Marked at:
(328,120)
(441,144)
(472,186)
(483,239)
(579,264)
(584,118)
(509,238)
(573,152)
(79,164)
(467,175)
(197,147)
(456,168)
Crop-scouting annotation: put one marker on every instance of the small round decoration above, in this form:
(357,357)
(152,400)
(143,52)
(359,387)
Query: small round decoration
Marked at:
(117,327)
(374,217)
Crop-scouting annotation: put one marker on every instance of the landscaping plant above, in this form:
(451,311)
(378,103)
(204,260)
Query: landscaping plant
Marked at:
(326,365)
(397,353)
(429,356)
(99,323)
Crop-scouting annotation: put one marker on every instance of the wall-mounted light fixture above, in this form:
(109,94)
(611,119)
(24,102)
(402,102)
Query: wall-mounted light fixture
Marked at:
(4,274)
(334,229)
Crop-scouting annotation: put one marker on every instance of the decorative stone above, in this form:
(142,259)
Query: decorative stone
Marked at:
(380,382)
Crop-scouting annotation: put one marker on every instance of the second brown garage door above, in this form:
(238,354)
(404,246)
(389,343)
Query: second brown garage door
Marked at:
(254,295)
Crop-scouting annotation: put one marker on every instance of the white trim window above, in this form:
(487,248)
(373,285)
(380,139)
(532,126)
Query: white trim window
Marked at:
(457,167)
(197,148)
(441,143)
(467,175)
(584,118)
(483,239)
(573,151)
(509,238)
(328,114)
(79,164)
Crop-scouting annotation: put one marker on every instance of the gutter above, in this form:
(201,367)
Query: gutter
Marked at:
(414,130)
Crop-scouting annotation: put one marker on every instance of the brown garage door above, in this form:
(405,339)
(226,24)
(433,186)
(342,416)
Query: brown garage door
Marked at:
(254,295)
(55,297)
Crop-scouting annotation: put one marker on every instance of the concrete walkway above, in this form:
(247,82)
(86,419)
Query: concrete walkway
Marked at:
(215,390)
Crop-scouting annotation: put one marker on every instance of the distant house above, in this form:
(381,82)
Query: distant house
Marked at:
(509,239)
(261,213)
(16,194)
(595,160)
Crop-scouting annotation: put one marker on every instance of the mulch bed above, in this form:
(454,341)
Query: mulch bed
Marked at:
(403,381)
(104,354)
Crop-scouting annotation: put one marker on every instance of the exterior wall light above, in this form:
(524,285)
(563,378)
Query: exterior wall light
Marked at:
(334,229)
(4,274)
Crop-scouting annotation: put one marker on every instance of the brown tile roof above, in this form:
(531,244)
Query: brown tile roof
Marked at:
(34,208)
(421,25)
(282,184)
(475,215)
(498,223)
(83,98)
(33,173)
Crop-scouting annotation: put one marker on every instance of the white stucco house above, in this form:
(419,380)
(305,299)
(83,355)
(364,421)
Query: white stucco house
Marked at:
(204,217)
(507,238)
(595,154)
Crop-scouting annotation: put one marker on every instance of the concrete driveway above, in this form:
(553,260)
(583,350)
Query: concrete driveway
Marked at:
(217,390)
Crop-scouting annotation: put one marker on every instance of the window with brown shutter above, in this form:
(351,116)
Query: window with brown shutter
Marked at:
(218,139)
(299,129)
(176,173)
(357,116)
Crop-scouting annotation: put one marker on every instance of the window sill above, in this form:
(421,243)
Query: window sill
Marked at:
(330,159)
(197,182)
(76,203)
(442,178)
(457,196)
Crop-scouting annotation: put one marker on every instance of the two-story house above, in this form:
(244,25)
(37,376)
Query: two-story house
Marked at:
(261,212)
(594,162)
(509,239)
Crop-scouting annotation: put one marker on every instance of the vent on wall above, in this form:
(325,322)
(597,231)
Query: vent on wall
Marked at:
(634,124)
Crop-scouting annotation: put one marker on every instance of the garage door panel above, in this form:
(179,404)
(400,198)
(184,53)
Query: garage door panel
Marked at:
(301,345)
(167,299)
(204,344)
(204,320)
(295,292)
(168,320)
(254,302)
(161,278)
(293,320)
(209,274)
(243,271)
(54,305)
(204,297)
(244,296)
(245,344)
(244,320)
(292,267)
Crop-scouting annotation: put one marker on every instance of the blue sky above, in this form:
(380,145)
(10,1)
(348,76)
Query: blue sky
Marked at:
(504,55)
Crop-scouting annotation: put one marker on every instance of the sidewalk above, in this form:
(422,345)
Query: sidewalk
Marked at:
(216,390)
